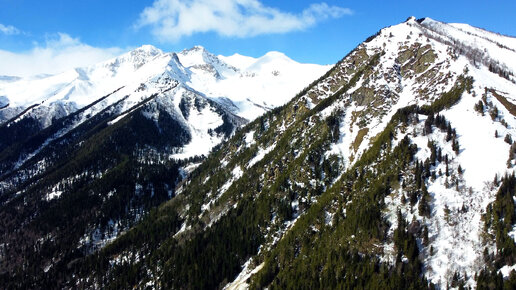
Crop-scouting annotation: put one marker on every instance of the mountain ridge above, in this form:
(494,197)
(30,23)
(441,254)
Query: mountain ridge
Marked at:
(135,59)
(99,148)
(376,175)
(421,81)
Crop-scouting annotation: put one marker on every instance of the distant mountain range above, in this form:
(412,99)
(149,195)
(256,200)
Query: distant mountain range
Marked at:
(394,169)
(240,82)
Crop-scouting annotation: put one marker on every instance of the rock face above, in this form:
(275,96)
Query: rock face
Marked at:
(395,169)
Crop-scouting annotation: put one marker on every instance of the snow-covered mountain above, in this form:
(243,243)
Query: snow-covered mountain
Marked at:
(248,90)
(393,170)
(100,146)
(418,62)
(247,85)
(253,86)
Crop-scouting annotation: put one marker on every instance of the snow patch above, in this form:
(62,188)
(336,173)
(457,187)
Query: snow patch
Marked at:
(240,282)
(506,271)
(260,155)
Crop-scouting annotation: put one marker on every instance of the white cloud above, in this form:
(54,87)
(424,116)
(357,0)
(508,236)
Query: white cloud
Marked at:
(58,54)
(9,29)
(172,19)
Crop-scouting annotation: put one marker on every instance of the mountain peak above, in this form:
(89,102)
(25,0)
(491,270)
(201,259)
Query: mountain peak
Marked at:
(194,49)
(134,58)
(199,58)
(411,19)
(198,47)
(276,54)
(197,54)
(147,49)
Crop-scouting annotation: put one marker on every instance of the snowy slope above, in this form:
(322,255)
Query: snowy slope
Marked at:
(125,83)
(492,45)
(195,68)
(83,85)
(253,85)
(418,62)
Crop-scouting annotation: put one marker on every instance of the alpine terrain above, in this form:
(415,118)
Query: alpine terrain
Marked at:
(395,169)
(86,153)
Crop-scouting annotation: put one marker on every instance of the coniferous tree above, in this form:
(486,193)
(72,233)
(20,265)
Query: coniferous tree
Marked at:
(508,139)
(424,202)
(479,107)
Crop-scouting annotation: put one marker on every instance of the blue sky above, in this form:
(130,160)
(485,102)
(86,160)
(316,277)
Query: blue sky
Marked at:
(49,36)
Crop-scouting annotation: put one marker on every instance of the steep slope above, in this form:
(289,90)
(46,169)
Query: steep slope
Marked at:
(393,170)
(85,183)
(85,154)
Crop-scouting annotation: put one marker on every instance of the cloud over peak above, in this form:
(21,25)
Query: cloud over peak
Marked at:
(170,20)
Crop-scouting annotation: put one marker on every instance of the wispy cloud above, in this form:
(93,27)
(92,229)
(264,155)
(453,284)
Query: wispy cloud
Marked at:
(171,20)
(59,53)
(9,29)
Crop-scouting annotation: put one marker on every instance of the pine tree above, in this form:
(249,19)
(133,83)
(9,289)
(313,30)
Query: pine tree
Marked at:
(424,207)
(479,107)
(425,236)
(455,146)
(494,113)
(508,139)
(449,132)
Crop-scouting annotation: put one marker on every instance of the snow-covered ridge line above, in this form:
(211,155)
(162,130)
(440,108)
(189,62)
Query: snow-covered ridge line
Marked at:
(251,84)
(494,51)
